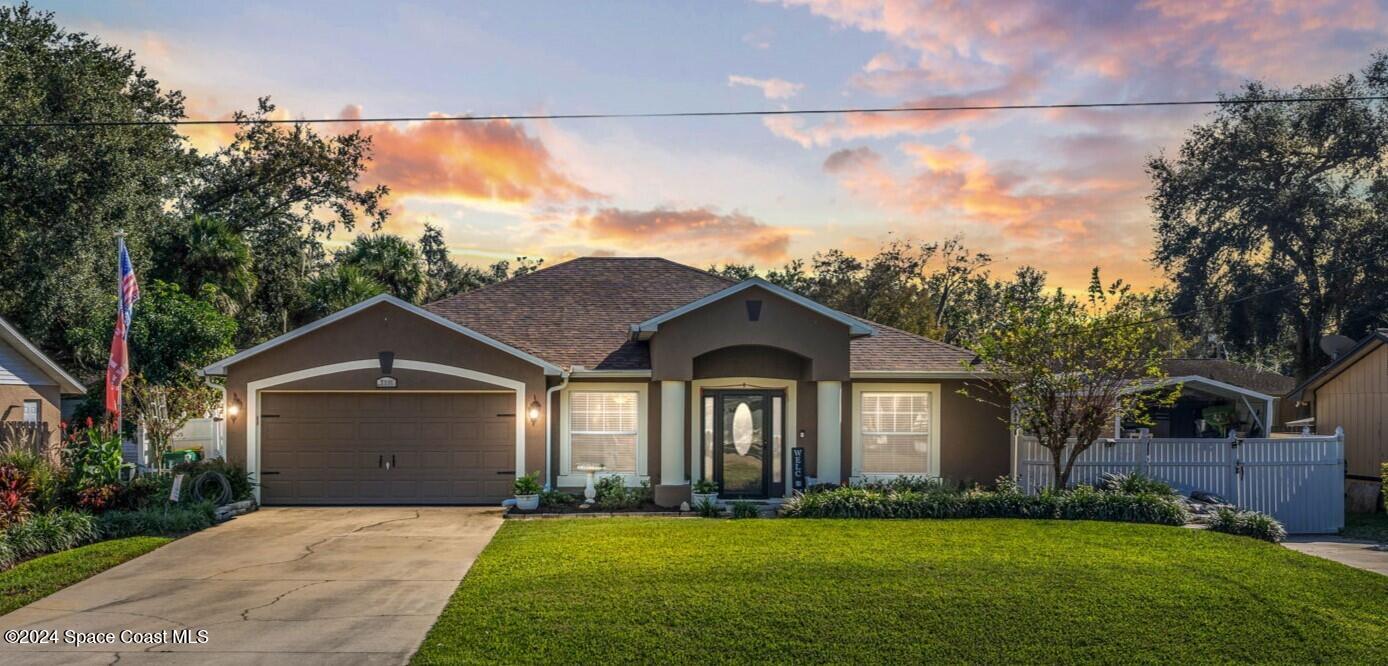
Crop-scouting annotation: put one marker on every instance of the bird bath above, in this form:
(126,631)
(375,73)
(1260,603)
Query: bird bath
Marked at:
(589,491)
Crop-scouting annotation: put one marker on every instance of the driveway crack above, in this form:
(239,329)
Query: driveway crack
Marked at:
(246,613)
(308,550)
(383,522)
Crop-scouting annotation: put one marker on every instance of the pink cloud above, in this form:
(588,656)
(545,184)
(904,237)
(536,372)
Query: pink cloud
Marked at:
(1001,51)
(1058,220)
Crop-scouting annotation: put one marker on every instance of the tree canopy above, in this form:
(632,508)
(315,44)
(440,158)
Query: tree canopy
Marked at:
(1278,210)
(1068,366)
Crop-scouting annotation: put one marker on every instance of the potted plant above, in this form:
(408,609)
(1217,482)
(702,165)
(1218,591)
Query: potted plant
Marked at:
(527,489)
(705,490)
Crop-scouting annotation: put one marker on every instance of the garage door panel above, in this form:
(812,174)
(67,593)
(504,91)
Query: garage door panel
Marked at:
(329,448)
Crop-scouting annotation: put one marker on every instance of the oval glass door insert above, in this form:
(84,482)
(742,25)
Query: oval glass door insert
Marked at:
(742,429)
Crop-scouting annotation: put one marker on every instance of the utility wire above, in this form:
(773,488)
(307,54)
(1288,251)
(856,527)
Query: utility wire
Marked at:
(695,114)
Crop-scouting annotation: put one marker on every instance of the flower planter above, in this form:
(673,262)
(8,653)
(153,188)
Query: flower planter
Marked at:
(527,502)
(700,498)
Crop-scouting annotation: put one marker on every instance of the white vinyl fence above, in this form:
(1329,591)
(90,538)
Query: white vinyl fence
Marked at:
(1299,480)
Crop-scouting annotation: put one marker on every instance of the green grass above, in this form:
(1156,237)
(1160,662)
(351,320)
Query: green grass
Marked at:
(1369,526)
(33,580)
(865,591)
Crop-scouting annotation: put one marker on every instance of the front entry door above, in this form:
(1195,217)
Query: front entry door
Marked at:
(744,454)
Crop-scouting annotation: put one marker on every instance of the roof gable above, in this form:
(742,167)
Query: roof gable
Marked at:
(1329,372)
(220,367)
(647,328)
(580,314)
(27,358)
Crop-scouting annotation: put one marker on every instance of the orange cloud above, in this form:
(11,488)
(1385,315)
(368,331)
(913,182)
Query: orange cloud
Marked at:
(696,232)
(1059,221)
(492,161)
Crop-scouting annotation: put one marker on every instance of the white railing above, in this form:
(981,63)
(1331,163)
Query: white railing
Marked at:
(1299,480)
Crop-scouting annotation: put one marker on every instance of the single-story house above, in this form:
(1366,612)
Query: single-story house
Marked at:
(646,368)
(1216,395)
(31,388)
(1352,392)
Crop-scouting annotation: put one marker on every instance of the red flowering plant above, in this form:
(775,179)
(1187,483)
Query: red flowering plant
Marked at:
(15,489)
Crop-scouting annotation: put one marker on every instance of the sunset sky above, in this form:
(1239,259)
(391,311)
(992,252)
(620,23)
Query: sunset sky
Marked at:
(1060,190)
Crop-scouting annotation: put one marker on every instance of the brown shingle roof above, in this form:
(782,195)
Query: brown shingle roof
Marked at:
(1229,372)
(580,312)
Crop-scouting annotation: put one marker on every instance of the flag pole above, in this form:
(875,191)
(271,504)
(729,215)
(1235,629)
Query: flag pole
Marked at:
(120,278)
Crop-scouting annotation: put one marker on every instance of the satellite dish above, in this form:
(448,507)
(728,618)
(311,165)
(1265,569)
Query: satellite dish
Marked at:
(1335,345)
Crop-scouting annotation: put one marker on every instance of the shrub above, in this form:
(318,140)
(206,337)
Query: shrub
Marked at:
(94,455)
(820,487)
(158,521)
(1083,503)
(15,490)
(242,486)
(705,487)
(611,493)
(919,484)
(1134,484)
(99,497)
(745,509)
(1248,523)
(708,509)
(528,484)
(46,533)
(45,480)
(556,498)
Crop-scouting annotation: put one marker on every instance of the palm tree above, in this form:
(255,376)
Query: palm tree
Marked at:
(390,261)
(206,252)
(341,286)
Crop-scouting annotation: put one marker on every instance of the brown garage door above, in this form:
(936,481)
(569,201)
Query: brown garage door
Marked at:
(387,448)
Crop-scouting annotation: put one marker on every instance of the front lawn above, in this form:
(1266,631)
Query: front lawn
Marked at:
(868,591)
(42,576)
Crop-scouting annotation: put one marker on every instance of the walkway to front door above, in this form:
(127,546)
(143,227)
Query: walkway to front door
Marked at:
(280,586)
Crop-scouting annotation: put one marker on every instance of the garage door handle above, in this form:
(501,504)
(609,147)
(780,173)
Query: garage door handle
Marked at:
(268,473)
(507,471)
(380,460)
(392,460)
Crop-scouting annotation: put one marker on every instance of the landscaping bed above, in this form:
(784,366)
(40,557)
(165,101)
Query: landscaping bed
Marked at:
(40,577)
(892,591)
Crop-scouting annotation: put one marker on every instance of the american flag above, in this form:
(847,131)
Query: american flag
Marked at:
(119,366)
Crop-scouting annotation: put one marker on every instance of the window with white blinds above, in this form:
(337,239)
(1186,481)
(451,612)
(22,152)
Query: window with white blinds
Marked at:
(896,433)
(603,429)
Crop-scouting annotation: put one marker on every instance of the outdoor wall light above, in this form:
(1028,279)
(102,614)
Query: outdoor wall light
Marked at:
(534,412)
(233,408)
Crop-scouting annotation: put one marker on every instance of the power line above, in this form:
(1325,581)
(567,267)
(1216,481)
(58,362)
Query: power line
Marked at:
(696,114)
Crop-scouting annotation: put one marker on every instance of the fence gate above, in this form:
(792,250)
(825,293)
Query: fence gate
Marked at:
(1298,480)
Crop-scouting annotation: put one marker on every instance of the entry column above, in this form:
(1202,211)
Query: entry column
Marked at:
(673,487)
(829,452)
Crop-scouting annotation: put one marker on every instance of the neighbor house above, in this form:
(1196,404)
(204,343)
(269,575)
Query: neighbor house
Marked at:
(1216,395)
(642,367)
(1352,393)
(31,390)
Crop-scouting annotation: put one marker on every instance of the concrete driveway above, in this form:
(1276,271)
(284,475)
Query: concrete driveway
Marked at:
(296,586)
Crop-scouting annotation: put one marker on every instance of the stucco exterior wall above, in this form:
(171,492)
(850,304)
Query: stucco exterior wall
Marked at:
(362,336)
(12,397)
(975,440)
(726,323)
